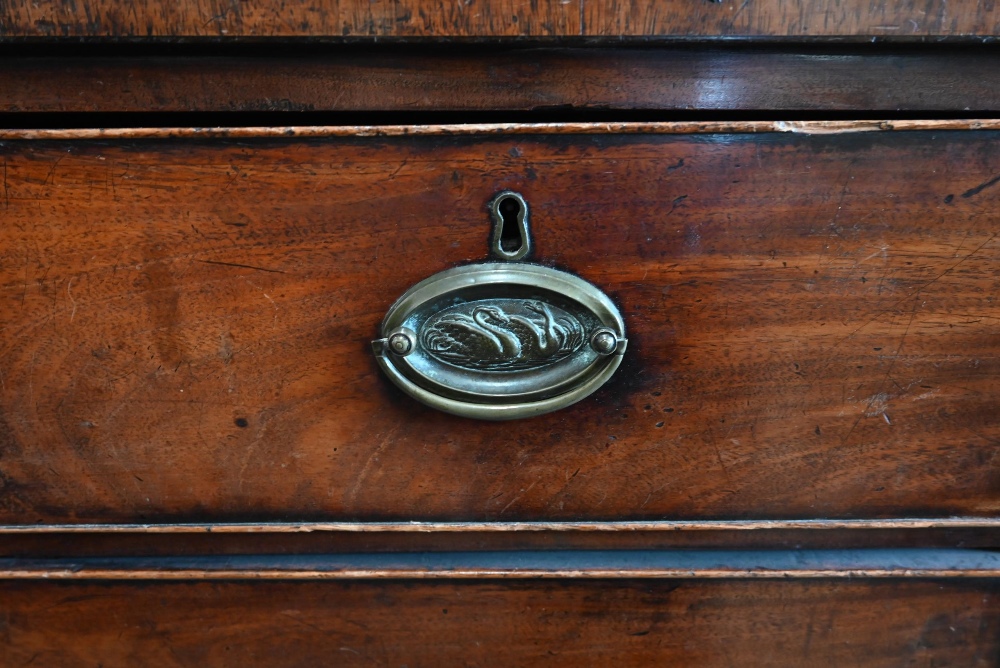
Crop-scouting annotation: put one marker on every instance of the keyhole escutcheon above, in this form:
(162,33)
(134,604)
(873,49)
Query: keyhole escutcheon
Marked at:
(510,240)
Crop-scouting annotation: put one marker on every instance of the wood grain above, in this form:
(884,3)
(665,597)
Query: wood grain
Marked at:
(534,79)
(340,19)
(186,323)
(677,623)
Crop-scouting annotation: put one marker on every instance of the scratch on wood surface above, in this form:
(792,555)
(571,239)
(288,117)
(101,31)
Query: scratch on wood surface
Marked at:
(69,294)
(516,498)
(274,320)
(878,403)
(961,244)
(247,457)
(848,177)
(920,288)
(24,280)
(658,489)
(31,381)
(50,177)
(242,266)
(954,266)
(295,616)
(718,456)
(732,19)
(396,171)
(359,481)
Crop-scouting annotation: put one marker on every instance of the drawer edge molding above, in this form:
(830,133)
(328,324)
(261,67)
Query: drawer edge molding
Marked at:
(355,131)
(604,564)
(632,79)
(504,527)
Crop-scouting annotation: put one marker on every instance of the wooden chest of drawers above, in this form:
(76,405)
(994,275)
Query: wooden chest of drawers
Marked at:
(201,462)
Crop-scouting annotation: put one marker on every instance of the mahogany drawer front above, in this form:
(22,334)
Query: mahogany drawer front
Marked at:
(339,20)
(186,321)
(632,623)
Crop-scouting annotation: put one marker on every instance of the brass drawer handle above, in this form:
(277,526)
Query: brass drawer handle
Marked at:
(504,339)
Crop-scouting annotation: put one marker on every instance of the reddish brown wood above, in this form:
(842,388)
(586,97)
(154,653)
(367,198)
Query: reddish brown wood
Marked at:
(812,322)
(888,623)
(521,80)
(507,18)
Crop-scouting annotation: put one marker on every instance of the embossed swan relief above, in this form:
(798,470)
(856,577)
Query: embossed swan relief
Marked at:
(548,339)
(483,332)
(502,336)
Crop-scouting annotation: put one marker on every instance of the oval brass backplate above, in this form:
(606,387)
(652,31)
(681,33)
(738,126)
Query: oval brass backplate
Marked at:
(501,340)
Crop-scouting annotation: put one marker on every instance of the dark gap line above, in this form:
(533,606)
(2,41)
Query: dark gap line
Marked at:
(283,47)
(796,42)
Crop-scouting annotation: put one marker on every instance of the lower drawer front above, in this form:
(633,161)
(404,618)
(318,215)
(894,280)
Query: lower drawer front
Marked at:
(595,623)
(185,329)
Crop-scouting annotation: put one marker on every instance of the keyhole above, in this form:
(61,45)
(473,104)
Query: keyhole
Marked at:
(510,235)
(510,231)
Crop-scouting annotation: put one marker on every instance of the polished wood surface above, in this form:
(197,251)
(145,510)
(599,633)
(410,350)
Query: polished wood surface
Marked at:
(186,327)
(678,623)
(340,19)
(536,80)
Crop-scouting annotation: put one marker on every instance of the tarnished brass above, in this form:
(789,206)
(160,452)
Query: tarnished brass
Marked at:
(509,209)
(501,340)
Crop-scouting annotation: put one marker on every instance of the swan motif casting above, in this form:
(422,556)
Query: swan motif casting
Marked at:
(489,319)
(521,335)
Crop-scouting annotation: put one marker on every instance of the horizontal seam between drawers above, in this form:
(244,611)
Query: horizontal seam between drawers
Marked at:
(710,564)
